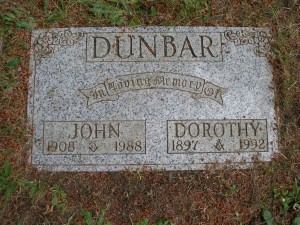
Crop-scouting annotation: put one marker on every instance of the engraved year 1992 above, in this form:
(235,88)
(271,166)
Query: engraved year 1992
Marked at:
(252,143)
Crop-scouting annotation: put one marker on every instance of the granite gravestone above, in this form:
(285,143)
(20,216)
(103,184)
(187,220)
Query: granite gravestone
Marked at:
(173,98)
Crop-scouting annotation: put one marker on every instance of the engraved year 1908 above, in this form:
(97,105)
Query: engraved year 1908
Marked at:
(61,146)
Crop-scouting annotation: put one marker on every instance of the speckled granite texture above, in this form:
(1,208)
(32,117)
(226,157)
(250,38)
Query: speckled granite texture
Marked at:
(167,98)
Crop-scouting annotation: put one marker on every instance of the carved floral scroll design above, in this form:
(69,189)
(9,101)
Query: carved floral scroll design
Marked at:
(111,88)
(260,39)
(44,44)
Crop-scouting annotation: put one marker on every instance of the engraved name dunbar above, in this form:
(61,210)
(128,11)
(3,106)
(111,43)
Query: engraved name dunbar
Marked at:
(154,47)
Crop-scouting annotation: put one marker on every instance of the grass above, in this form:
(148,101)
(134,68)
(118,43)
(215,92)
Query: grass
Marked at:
(253,196)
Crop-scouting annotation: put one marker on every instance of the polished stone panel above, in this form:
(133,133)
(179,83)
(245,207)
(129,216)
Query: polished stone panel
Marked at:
(167,98)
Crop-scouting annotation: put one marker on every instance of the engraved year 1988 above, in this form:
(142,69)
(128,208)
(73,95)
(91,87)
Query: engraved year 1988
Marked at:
(128,146)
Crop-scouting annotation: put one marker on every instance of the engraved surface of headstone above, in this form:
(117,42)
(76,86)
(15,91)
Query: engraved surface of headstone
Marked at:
(172,98)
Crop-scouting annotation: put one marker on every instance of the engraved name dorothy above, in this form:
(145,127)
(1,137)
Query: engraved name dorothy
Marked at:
(217,129)
(149,46)
(217,136)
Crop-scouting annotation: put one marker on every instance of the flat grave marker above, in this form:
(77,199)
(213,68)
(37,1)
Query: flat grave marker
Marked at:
(167,98)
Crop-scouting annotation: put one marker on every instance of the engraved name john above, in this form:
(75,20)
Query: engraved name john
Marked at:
(107,47)
(217,136)
(99,137)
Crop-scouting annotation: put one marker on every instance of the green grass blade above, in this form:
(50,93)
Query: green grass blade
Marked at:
(12,64)
(144,222)
(102,217)
(87,215)
(153,11)
(268,218)
(296,220)
(7,169)
(46,4)
(23,24)
(70,219)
